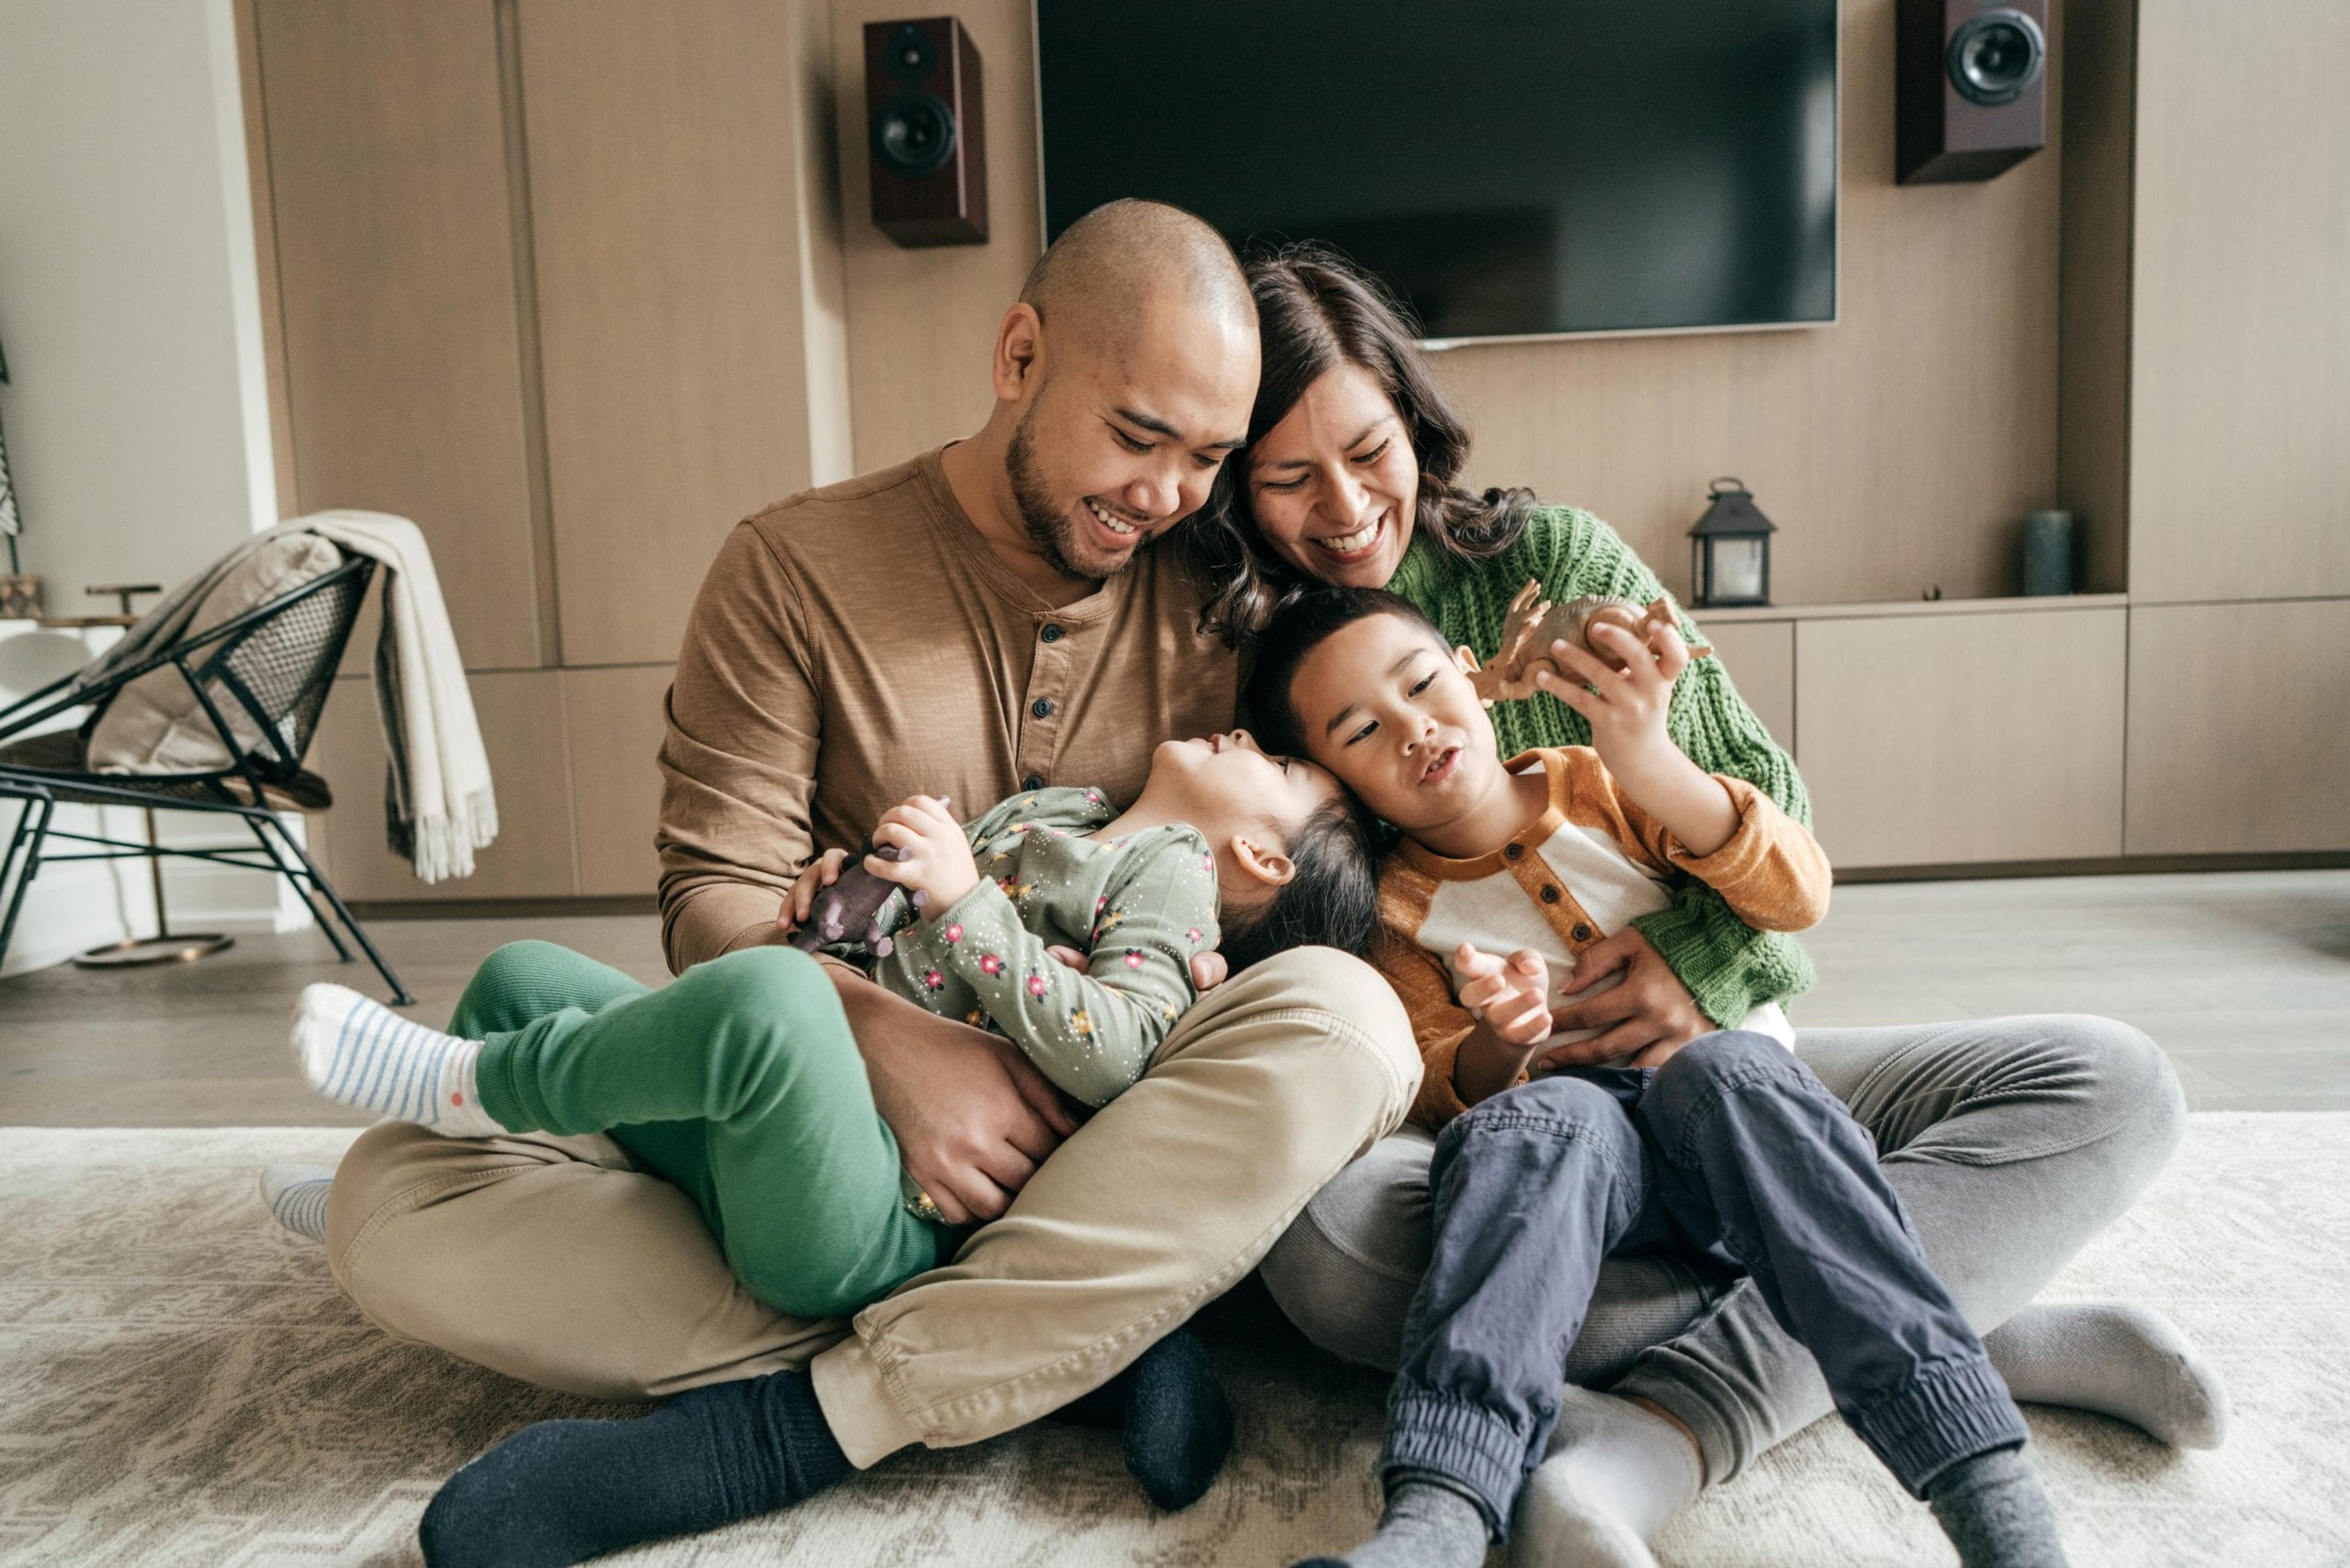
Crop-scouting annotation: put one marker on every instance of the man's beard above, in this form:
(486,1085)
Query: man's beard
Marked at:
(1052,531)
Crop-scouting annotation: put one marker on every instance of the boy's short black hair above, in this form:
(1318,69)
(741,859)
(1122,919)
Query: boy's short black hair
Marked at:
(1332,897)
(1304,622)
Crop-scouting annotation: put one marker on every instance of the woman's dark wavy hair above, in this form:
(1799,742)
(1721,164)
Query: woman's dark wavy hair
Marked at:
(1317,310)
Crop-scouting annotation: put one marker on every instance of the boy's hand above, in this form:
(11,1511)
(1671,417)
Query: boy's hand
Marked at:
(1627,708)
(1510,1000)
(1511,997)
(799,904)
(934,862)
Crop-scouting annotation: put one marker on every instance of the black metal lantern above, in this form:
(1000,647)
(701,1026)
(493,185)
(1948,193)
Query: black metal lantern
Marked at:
(1730,550)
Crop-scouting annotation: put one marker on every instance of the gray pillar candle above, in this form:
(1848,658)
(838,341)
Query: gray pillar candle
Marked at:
(2048,553)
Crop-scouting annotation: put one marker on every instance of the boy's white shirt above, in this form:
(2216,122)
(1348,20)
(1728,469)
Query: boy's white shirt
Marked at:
(1494,915)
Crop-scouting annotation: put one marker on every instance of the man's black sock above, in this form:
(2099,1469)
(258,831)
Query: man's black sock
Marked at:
(1177,1425)
(563,1492)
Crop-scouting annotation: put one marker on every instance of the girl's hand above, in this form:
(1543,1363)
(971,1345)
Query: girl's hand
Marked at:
(1627,708)
(799,904)
(934,862)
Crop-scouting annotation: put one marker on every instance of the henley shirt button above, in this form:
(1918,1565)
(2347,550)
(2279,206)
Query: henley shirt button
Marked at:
(1034,780)
(1582,932)
(1041,707)
(1514,852)
(1051,634)
(1549,894)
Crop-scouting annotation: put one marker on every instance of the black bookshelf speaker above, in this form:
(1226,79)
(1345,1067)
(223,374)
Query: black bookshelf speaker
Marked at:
(924,115)
(1972,88)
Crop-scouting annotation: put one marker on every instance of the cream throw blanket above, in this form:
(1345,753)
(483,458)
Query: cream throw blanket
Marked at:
(439,806)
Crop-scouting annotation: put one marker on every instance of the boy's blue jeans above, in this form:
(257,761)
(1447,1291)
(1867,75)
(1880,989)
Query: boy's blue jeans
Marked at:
(1733,1148)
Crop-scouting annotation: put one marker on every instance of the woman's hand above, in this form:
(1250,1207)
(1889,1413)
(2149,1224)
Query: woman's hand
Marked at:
(934,863)
(1626,708)
(1648,1018)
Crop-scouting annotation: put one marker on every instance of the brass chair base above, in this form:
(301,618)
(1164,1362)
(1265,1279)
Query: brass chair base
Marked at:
(134,952)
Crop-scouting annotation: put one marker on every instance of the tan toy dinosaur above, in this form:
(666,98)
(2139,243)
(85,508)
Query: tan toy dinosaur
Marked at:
(1533,623)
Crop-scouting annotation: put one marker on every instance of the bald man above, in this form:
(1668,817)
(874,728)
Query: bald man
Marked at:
(984,618)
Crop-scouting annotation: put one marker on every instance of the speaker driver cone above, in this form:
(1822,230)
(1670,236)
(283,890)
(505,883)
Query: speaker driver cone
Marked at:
(1994,57)
(911,53)
(913,134)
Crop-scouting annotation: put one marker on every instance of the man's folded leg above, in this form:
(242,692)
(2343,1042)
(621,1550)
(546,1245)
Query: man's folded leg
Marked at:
(551,1260)
(1265,1090)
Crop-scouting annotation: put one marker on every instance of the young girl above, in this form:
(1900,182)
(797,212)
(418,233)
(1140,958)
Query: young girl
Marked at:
(1730,1146)
(739,1081)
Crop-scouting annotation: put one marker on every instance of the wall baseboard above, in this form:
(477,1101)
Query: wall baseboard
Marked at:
(502,909)
(2118,866)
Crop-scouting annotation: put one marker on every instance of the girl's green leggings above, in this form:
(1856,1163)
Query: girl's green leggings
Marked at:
(739,1080)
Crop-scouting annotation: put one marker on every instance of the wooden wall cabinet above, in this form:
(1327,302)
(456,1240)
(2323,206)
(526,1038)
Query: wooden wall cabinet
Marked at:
(395,267)
(1760,658)
(521,715)
(613,720)
(2240,368)
(560,280)
(2239,728)
(1931,740)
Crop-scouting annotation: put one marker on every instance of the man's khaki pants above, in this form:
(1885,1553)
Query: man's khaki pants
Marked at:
(549,1259)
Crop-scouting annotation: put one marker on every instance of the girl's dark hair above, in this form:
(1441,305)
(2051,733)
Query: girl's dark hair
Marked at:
(1317,310)
(1331,899)
(1303,623)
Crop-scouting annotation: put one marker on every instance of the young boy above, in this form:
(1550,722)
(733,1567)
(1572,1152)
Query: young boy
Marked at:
(1729,1145)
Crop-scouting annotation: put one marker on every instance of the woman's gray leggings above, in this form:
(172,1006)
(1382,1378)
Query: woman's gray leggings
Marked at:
(2011,1141)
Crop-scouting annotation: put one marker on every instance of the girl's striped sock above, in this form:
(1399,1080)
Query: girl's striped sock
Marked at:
(296,1194)
(359,1052)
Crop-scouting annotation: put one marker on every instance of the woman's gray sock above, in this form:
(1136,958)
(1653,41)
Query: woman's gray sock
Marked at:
(1993,1511)
(1425,1526)
(2117,1360)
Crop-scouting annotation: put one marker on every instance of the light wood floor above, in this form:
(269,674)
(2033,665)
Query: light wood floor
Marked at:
(2244,979)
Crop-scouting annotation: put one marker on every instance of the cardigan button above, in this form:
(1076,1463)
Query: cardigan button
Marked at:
(1514,852)
(1550,893)
(1582,932)
(1033,782)
(1041,707)
(1051,634)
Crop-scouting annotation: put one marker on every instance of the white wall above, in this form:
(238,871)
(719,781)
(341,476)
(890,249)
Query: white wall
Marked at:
(137,416)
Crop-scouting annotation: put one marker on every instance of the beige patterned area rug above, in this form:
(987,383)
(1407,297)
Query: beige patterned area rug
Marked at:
(180,1383)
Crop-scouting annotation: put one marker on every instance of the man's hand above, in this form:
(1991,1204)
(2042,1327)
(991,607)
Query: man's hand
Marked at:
(934,863)
(1646,1018)
(973,1117)
(799,904)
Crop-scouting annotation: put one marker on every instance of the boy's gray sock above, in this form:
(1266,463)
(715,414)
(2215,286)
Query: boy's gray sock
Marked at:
(1427,1525)
(1994,1512)
(1615,1474)
(2117,1360)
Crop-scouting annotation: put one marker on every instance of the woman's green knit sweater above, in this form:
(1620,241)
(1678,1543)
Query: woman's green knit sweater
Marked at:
(1728,966)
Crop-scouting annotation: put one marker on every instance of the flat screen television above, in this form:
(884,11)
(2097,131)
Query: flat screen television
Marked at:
(1512,168)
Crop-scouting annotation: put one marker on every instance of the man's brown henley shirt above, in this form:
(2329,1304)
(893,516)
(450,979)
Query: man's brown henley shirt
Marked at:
(858,644)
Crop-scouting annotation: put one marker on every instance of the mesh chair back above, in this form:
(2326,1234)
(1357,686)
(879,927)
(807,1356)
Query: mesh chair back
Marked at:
(281,667)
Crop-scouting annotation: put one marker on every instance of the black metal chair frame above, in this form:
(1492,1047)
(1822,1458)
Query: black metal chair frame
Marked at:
(203,660)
